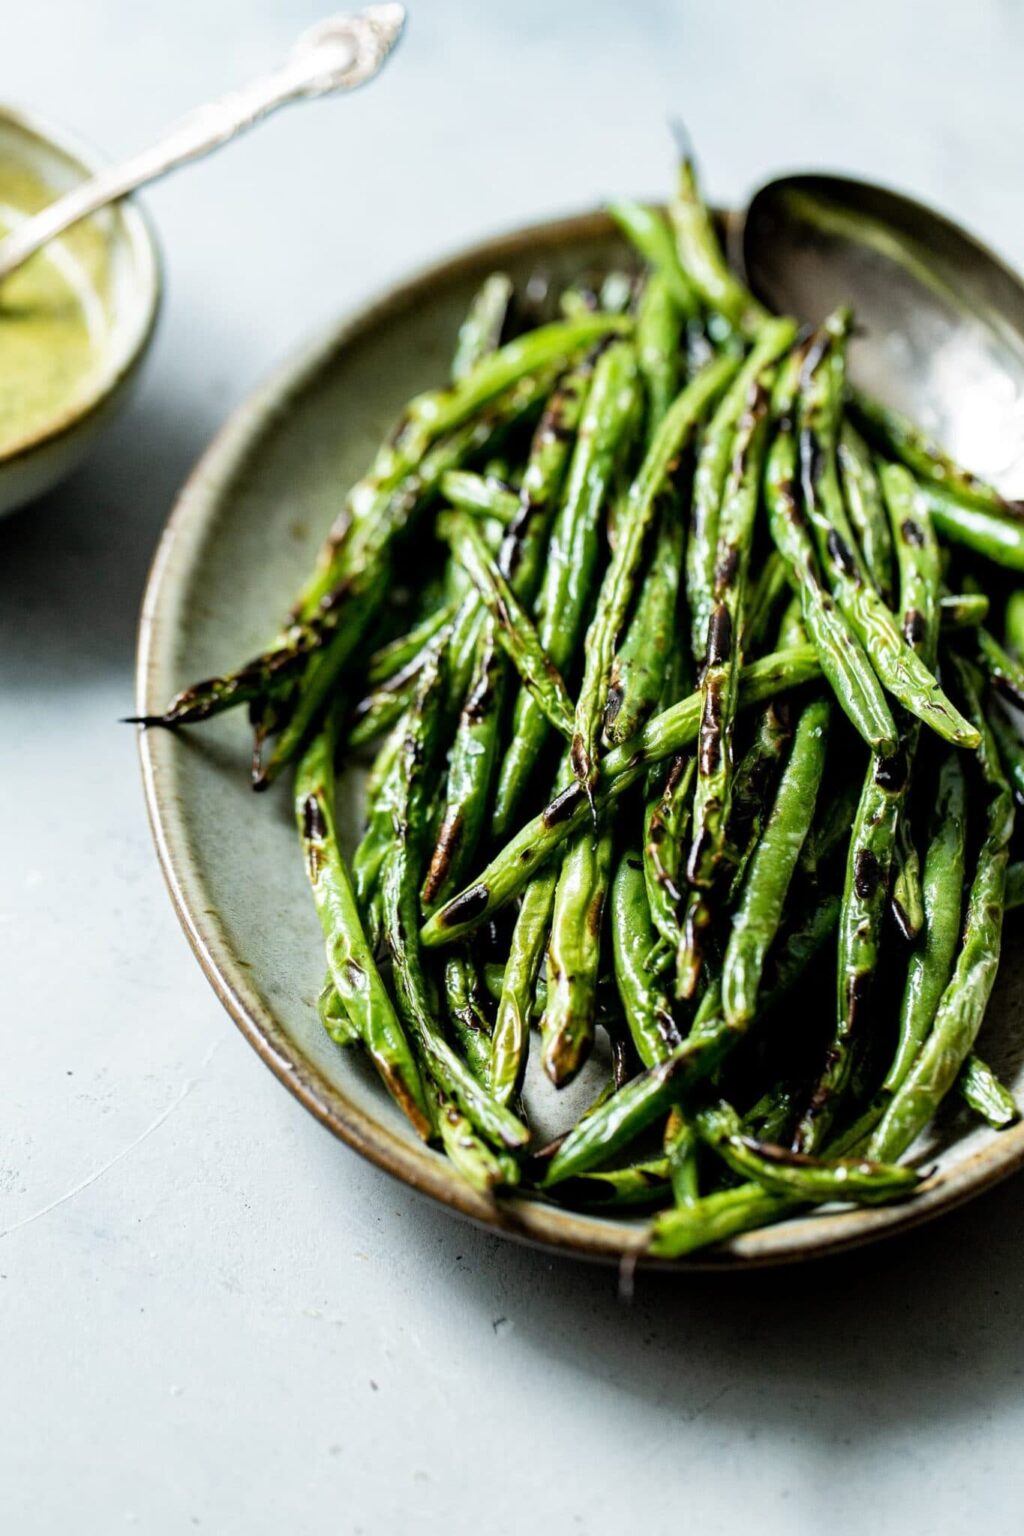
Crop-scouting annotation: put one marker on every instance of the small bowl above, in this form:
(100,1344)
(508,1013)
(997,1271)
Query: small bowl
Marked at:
(119,252)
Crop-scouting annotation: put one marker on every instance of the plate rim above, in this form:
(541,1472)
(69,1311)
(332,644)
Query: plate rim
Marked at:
(535,1222)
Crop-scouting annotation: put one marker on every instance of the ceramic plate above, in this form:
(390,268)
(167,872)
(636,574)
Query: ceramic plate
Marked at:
(242,536)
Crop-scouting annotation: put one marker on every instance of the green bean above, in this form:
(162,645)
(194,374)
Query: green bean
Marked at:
(701,257)
(962,1008)
(333,1016)
(661,737)
(868,866)
(931,963)
(986,1095)
(1010,748)
(337,625)
(349,958)
(472,758)
(515,629)
(782,1172)
(756,774)
(574,952)
(400,895)
(480,495)
(481,1166)
(372,848)
(753,786)
(719,682)
(471,1027)
(639,667)
(901,671)
(681,1152)
(843,659)
(769,1119)
(435,412)
(480,332)
(985,533)
(863,498)
(803,938)
(963,610)
(830,828)
(1014,623)
(722,659)
(1002,671)
(714,1218)
(617,1123)
(352,576)
(658,325)
(639,1185)
(906,899)
(393,659)
(665,822)
(710,476)
(375,714)
(874,841)
(565,593)
(897,437)
(651,1025)
(765,597)
(760,909)
(526,955)
(1015,886)
(471,753)
(655,483)
(918,561)
(647,230)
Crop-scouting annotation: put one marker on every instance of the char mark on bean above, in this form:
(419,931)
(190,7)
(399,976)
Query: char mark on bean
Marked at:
(891,772)
(480,702)
(562,806)
(857,989)
(725,567)
(841,553)
(719,647)
(314,825)
(915,628)
(615,697)
(448,840)
(867,874)
(912,532)
(469,904)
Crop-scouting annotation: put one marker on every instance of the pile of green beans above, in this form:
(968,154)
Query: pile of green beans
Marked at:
(687,676)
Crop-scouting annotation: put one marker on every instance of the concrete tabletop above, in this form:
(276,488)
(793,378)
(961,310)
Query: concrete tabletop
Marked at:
(214,1316)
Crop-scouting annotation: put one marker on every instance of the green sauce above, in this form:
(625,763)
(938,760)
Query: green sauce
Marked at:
(52,319)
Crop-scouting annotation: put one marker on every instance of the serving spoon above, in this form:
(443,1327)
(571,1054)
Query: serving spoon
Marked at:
(939,319)
(338,54)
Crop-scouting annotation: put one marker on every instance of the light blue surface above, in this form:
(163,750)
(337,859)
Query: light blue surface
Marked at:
(214,1316)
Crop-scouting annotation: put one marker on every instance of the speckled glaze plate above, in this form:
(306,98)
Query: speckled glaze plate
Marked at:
(242,536)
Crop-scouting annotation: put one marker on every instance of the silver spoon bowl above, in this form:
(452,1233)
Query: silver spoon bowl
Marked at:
(939,319)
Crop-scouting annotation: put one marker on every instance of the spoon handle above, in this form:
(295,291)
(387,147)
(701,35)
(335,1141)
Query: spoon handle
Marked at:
(336,55)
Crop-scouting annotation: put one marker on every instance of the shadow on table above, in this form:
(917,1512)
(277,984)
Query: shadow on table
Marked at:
(923,1325)
(73,565)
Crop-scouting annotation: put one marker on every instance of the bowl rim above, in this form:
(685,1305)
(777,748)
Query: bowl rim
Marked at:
(535,1222)
(144,249)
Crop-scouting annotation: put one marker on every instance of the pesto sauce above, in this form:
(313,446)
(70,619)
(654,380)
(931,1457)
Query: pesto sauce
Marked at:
(52,321)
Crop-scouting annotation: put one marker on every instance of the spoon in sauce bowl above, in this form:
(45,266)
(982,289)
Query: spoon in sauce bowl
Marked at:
(335,55)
